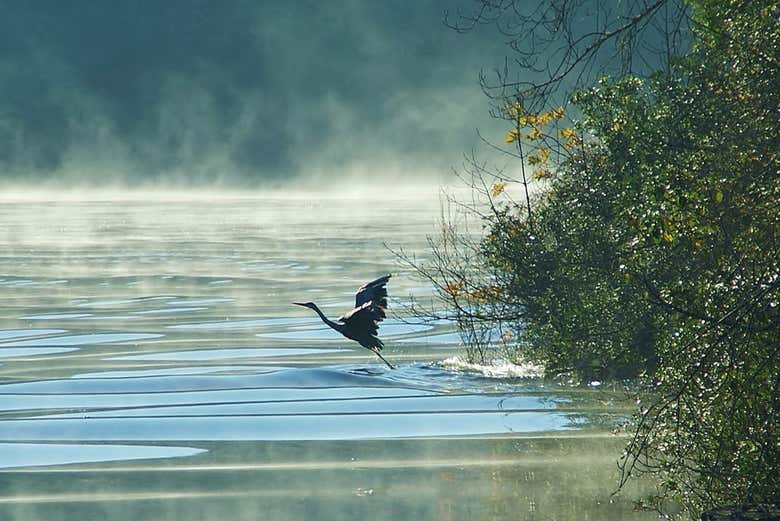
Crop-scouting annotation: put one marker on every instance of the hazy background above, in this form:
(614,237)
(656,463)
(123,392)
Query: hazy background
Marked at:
(238,93)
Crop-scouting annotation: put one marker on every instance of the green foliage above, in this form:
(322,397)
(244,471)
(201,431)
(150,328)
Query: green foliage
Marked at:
(569,281)
(655,252)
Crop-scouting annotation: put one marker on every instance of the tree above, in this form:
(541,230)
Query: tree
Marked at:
(560,46)
(650,248)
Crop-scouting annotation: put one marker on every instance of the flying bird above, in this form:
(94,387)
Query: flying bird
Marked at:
(362,322)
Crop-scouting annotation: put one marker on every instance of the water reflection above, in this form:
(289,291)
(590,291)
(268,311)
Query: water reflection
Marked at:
(56,316)
(246,324)
(7,352)
(175,379)
(277,427)
(168,310)
(83,401)
(78,340)
(22,333)
(224,354)
(359,401)
(491,478)
(15,455)
(173,371)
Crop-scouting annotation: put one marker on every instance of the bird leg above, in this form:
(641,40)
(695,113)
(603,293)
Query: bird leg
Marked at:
(376,352)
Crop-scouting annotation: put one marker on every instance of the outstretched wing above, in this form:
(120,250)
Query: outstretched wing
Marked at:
(374,291)
(362,324)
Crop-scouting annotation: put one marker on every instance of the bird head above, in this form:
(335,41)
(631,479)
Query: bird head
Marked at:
(309,305)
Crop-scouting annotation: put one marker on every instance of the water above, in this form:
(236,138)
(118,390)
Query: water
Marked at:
(152,367)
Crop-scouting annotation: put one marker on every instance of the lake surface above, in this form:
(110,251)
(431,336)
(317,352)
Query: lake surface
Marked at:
(152,366)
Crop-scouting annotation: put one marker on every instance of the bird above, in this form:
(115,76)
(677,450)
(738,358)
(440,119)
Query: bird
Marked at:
(362,322)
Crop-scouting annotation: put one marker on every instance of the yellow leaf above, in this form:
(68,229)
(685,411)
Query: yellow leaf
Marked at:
(558,113)
(718,197)
(514,110)
(542,173)
(497,188)
(567,132)
(512,136)
(540,157)
(485,294)
(454,288)
(534,134)
(545,118)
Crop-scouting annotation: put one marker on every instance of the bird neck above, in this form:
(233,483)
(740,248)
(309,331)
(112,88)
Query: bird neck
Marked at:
(334,325)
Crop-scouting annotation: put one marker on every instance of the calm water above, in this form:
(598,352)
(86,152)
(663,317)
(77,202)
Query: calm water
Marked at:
(152,367)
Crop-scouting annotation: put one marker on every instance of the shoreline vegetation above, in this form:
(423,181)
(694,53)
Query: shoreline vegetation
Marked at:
(633,229)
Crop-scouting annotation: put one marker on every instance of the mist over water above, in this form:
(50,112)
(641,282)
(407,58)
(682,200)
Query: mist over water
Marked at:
(152,366)
(235,93)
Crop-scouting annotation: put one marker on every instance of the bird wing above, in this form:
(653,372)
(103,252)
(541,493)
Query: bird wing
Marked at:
(374,291)
(362,324)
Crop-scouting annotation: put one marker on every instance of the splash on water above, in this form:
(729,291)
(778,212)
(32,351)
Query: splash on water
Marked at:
(495,369)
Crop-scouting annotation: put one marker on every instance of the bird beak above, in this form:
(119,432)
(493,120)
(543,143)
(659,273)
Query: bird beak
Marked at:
(299,304)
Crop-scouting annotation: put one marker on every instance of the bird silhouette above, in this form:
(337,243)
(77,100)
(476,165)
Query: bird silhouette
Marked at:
(362,322)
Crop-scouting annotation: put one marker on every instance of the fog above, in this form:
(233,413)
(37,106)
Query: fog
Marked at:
(237,94)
